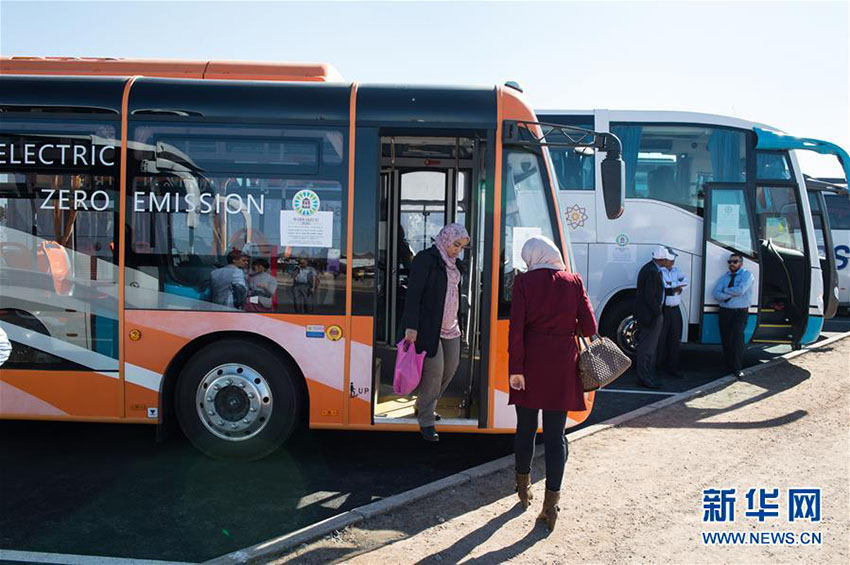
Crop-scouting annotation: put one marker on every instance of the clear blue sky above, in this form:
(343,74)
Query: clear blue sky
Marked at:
(784,64)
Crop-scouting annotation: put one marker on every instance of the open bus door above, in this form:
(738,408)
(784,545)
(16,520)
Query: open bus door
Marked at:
(823,232)
(728,229)
(425,183)
(765,227)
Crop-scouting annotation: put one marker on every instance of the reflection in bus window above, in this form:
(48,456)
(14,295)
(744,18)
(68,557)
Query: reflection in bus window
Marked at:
(186,219)
(672,163)
(525,209)
(57,254)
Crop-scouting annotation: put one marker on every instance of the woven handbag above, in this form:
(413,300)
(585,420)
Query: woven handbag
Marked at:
(601,362)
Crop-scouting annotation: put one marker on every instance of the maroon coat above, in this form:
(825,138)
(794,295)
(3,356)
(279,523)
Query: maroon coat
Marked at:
(546,307)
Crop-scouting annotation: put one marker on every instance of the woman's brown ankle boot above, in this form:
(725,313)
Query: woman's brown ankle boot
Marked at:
(523,488)
(549,514)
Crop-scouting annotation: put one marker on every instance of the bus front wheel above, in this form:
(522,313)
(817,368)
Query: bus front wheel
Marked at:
(619,325)
(237,400)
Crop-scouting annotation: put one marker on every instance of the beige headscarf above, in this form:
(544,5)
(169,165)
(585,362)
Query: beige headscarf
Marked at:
(540,252)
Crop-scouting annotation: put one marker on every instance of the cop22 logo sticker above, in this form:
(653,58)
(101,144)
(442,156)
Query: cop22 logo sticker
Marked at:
(306,202)
(622,240)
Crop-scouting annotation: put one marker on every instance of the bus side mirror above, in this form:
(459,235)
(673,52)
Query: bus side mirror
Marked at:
(613,189)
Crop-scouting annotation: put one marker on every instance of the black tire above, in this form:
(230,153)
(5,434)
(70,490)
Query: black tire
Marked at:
(257,392)
(619,325)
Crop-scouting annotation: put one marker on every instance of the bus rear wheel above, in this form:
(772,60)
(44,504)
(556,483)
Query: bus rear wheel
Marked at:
(237,400)
(619,325)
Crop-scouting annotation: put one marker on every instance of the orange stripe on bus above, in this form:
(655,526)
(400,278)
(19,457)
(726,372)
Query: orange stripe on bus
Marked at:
(349,244)
(139,399)
(155,350)
(494,269)
(122,221)
(62,390)
(219,70)
(325,404)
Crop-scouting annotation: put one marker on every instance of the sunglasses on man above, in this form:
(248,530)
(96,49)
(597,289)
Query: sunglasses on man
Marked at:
(733,261)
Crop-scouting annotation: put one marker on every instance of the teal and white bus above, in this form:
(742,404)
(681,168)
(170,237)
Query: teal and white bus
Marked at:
(837,205)
(705,186)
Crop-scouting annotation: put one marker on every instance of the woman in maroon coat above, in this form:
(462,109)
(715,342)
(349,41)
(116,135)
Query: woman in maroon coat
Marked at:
(548,305)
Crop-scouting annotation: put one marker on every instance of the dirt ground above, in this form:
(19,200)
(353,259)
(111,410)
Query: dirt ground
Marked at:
(634,493)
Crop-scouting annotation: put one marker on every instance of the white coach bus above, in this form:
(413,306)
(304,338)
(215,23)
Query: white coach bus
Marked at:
(705,186)
(837,206)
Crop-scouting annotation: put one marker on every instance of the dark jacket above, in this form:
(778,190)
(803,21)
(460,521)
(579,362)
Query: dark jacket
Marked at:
(547,307)
(650,293)
(426,297)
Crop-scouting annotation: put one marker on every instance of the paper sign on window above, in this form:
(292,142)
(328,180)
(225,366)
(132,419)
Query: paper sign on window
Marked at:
(304,225)
(727,219)
(306,231)
(520,236)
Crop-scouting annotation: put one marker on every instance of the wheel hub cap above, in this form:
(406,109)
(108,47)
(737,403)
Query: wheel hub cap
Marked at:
(234,402)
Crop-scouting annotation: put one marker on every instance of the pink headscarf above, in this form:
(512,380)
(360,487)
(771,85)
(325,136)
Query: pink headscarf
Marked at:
(450,327)
(540,252)
(448,235)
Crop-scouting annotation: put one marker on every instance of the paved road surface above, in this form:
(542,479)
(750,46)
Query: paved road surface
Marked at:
(111,490)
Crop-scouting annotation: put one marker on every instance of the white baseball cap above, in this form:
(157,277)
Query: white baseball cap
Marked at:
(661,252)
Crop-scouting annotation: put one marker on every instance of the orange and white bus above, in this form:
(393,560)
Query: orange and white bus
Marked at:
(124,184)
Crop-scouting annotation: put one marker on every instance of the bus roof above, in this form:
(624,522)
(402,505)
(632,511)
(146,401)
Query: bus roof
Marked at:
(220,70)
(387,106)
(661,116)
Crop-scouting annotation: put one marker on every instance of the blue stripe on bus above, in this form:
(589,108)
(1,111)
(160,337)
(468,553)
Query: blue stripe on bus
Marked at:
(813,329)
(711,328)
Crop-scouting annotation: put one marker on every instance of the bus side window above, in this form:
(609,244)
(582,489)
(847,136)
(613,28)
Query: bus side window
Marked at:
(278,199)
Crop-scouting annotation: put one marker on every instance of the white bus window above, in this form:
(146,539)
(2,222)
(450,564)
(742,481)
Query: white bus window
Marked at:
(730,225)
(187,219)
(423,197)
(672,163)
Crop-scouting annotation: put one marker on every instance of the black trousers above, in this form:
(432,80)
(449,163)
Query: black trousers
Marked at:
(670,339)
(554,440)
(647,349)
(732,322)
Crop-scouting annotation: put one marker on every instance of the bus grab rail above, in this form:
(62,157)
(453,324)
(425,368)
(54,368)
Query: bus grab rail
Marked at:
(517,132)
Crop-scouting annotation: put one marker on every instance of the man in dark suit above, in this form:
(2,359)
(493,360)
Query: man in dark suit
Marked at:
(649,315)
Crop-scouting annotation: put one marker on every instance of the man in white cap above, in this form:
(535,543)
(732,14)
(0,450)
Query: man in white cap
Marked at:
(671,331)
(649,315)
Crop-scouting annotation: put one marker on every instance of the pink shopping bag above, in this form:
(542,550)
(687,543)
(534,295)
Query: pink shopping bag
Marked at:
(408,368)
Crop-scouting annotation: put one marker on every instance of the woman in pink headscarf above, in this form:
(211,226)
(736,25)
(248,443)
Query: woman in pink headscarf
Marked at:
(430,320)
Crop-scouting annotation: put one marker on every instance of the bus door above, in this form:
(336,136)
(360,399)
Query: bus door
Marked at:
(823,235)
(426,183)
(786,273)
(728,229)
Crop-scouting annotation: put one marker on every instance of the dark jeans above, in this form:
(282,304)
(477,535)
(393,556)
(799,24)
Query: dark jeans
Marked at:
(732,323)
(670,340)
(647,349)
(553,439)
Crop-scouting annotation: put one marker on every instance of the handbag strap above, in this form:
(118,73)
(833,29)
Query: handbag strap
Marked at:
(587,341)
